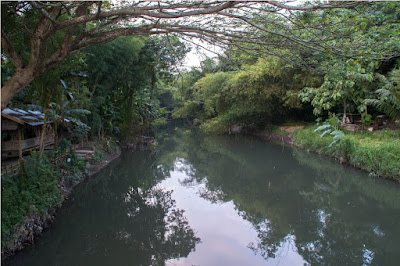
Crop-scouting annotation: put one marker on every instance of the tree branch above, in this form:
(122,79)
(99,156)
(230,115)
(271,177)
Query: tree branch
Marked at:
(43,11)
(132,12)
(10,50)
(338,4)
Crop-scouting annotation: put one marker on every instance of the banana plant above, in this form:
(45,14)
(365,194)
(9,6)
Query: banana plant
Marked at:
(330,128)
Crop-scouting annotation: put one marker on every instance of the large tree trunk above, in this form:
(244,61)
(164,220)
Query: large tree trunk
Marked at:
(16,83)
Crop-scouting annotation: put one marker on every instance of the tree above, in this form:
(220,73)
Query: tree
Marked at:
(123,77)
(350,80)
(54,30)
(345,83)
(253,95)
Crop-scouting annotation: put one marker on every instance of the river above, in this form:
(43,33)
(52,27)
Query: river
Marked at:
(232,200)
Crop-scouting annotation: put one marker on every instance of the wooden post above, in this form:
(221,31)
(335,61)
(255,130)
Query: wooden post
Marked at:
(19,143)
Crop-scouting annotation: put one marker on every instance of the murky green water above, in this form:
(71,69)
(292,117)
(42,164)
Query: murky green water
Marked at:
(224,201)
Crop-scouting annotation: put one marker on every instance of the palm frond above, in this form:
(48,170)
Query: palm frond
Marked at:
(388,100)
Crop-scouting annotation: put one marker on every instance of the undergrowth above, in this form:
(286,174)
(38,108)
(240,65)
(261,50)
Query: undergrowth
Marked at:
(376,152)
(36,189)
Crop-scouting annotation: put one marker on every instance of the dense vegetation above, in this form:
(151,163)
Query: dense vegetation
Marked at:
(315,62)
(29,198)
(242,89)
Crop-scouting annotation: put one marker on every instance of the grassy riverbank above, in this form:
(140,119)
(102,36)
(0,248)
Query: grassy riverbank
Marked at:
(29,199)
(375,152)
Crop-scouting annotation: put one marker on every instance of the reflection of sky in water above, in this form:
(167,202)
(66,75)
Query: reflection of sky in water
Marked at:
(224,235)
(368,256)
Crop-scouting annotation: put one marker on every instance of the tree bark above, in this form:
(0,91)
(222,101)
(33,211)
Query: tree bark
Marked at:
(16,83)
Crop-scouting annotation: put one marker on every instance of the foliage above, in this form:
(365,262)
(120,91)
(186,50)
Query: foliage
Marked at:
(98,156)
(349,81)
(345,81)
(34,191)
(331,127)
(124,78)
(52,31)
(63,146)
(388,100)
(37,187)
(73,168)
(374,152)
(255,94)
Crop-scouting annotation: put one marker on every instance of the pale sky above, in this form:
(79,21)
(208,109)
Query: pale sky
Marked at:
(196,55)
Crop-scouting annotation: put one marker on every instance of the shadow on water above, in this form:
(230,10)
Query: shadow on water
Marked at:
(258,202)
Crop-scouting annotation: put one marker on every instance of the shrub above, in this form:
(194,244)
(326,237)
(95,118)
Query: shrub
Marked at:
(36,189)
(33,191)
(98,156)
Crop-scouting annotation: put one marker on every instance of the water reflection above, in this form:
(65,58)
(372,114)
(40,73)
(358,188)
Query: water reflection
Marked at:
(327,213)
(118,218)
(250,203)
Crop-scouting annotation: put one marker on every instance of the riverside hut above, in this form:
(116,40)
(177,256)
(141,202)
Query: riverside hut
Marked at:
(21,132)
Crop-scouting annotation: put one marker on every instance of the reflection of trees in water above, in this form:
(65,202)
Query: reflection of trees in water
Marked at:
(269,240)
(287,201)
(168,234)
(139,227)
(121,217)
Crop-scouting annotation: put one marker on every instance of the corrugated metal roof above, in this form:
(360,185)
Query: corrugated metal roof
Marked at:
(32,118)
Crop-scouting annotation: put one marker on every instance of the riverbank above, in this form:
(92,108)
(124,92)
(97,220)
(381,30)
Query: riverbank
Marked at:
(29,207)
(375,152)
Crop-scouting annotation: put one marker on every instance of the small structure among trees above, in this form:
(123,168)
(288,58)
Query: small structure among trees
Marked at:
(22,131)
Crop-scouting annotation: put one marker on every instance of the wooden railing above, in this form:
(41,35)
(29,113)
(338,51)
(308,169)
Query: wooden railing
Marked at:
(26,144)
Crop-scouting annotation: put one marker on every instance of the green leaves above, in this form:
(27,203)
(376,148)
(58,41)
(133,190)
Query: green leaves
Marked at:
(337,134)
(325,126)
(255,93)
(388,96)
(332,130)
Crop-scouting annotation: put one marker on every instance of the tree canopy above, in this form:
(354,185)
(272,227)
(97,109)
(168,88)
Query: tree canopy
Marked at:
(38,35)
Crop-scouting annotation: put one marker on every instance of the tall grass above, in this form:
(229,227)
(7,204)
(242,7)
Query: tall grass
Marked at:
(378,153)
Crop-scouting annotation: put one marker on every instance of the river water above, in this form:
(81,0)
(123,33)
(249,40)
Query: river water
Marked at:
(232,200)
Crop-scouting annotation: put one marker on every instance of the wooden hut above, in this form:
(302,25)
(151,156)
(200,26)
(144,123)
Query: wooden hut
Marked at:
(21,132)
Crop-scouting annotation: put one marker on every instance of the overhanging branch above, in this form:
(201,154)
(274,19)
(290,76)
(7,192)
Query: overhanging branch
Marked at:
(9,49)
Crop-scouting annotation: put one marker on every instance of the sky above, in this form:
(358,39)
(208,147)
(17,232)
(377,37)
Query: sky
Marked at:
(196,55)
